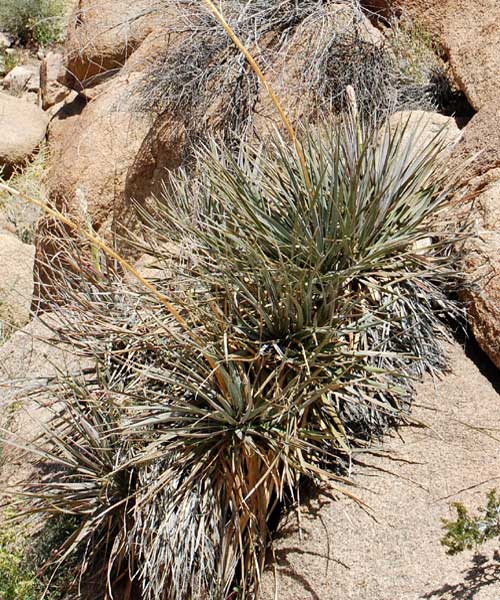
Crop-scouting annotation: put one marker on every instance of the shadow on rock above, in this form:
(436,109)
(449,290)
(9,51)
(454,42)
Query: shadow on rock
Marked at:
(483,572)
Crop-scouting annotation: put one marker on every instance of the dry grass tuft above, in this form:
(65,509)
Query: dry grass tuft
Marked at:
(206,83)
(16,214)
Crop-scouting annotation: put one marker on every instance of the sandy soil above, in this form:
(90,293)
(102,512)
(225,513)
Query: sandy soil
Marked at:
(344,554)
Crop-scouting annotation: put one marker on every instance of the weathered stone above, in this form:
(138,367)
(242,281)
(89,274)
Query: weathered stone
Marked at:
(16,279)
(482,265)
(102,34)
(6,40)
(422,127)
(52,69)
(92,146)
(471,37)
(478,150)
(469,31)
(23,127)
(22,78)
(336,550)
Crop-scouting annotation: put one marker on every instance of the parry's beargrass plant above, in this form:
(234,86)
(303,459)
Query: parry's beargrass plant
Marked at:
(304,313)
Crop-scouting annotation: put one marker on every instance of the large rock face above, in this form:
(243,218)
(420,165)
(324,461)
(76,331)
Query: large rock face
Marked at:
(22,128)
(472,40)
(477,160)
(478,153)
(102,34)
(92,146)
(482,261)
(106,152)
(164,146)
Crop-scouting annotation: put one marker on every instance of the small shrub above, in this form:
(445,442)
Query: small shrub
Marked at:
(467,531)
(8,60)
(302,318)
(204,80)
(37,22)
(17,582)
(22,558)
(421,74)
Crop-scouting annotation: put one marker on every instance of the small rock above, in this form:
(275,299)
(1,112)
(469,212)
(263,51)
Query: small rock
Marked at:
(53,110)
(23,127)
(423,128)
(16,279)
(52,71)
(22,78)
(31,97)
(6,40)
(101,36)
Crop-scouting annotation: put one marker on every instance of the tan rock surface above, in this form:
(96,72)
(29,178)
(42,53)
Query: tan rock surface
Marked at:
(92,147)
(477,160)
(102,34)
(478,151)
(345,554)
(22,126)
(424,127)
(22,78)
(482,262)
(98,145)
(51,91)
(471,37)
(164,147)
(16,279)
